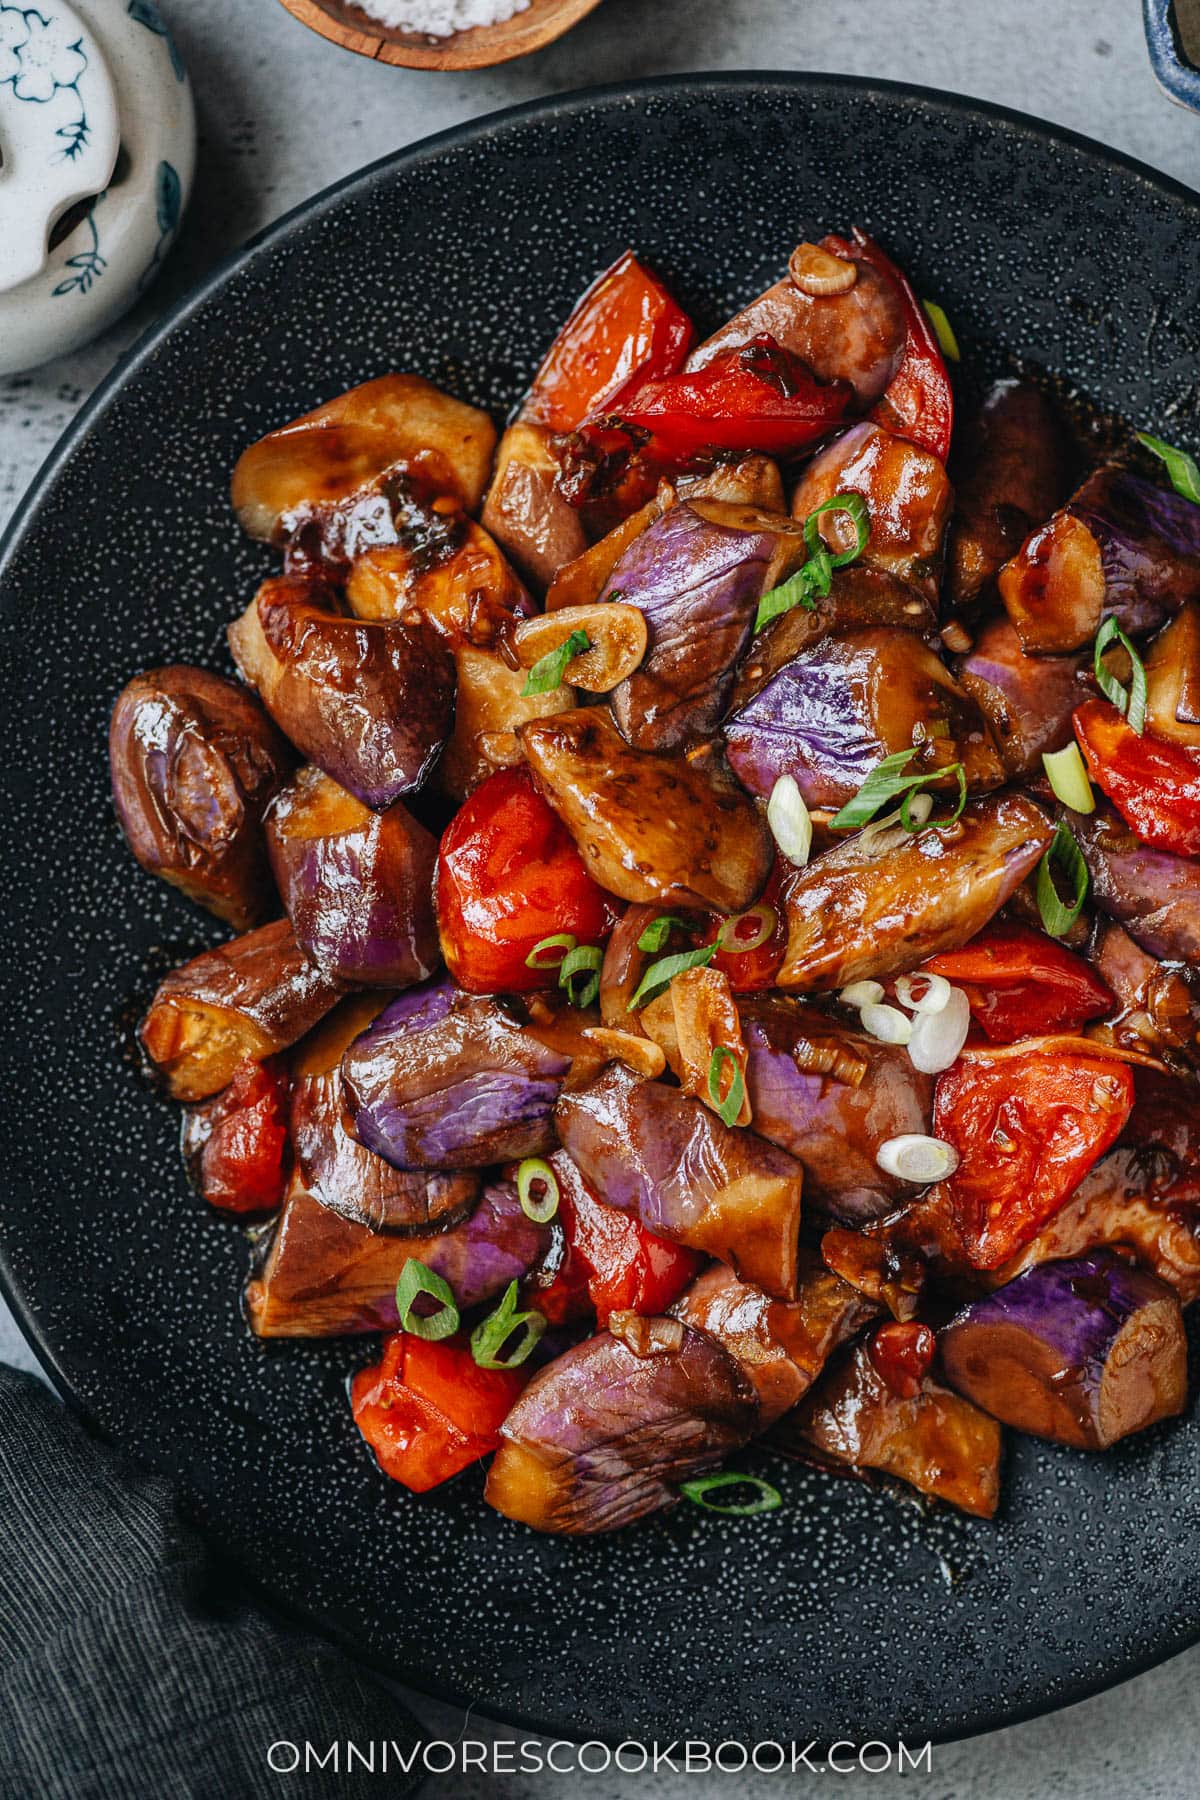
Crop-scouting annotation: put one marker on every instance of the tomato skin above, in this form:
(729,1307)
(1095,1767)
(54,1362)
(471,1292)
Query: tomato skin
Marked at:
(610,1257)
(902,1353)
(236,1144)
(919,402)
(625,329)
(1154,785)
(428,1410)
(757,396)
(1027,1130)
(509,875)
(1021,983)
(753,971)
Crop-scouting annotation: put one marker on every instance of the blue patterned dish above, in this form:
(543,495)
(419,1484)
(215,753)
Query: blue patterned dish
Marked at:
(1173,36)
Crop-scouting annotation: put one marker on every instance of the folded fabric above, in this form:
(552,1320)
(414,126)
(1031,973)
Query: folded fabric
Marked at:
(126,1666)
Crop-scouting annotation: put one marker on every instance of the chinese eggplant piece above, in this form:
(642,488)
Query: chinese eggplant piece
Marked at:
(1083,1351)
(1009,478)
(195,761)
(1026,700)
(242,1002)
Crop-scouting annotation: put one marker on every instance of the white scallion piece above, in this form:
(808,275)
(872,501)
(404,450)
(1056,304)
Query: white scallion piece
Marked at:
(887,1023)
(788,818)
(862,993)
(923,993)
(913,1157)
(938,1037)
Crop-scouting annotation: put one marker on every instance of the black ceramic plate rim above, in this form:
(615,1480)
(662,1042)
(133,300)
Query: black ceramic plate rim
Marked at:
(41,493)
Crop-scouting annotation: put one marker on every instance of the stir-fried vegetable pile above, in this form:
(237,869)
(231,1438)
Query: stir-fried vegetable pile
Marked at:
(717,897)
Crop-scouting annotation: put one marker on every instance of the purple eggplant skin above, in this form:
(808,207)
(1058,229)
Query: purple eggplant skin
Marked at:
(1010,472)
(603,1436)
(827,717)
(1121,548)
(697,583)
(1153,894)
(324,1275)
(858,914)
(907,495)
(1026,700)
(831,1096)
(356,884)
(443,1080)
(781,1346)
(651,1151)
(1083,1351)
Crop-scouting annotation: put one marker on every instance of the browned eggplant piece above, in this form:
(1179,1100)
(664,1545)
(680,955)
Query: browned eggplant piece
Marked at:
(194,762)
(1155,895)
(326,1276)
(751,481)
(831,1096)
(1083,1351)
(828,716)
(1123,1204)
(1027,700)
(696,575)
(1159,1005)
(328,454)
(603,1435)
(357,884)
(538,529)
(582,581)
(1120,548)
(1173,679)
(870,913)
(1010,473)
(370,704)
(858,335)
(907,496)
(649,828)
(781,1346)
(334,1168)
(490,704)
(882,1274)
(446,1080)
(938,1442)
(242,1002)
(649,1150)
(463,587)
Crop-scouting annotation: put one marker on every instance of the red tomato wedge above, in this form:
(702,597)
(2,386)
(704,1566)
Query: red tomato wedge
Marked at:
(509,875)
(1027,1130)
(919,402)
(625,329)
(1154,785)
(428,1410)
(757,396)
(237,1143)
(1020,983)
(902,1353)
(610,1257)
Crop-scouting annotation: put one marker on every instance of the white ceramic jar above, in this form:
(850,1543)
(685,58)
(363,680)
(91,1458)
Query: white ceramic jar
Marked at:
(97,134)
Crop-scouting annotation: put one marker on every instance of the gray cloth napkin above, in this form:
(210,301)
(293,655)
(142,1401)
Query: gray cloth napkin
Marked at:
(126,1669)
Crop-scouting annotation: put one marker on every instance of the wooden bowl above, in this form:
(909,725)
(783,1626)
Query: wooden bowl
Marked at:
(540,24)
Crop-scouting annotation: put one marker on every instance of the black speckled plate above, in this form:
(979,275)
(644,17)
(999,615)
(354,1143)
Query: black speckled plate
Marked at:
(845,1613)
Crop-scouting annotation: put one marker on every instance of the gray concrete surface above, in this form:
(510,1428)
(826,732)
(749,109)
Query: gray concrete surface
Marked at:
(283,114)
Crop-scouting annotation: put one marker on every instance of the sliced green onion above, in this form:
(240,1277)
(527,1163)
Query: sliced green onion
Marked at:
(660,974)
(1182,469)
(797,590)
(943,330)
(562,940)
(657,932)
(727,1109)
(728,937)
(769,1499)
(1063,857)
(887,781)
(415,1280)
(548,671)
(489,1338)
(1067,774)
(789,821)
(1133,704)
(583,961)
(535,1169)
